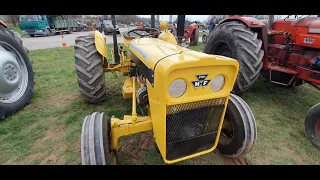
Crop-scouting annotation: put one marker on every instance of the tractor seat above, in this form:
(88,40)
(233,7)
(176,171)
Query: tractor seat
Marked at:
(274,32)
(132,35)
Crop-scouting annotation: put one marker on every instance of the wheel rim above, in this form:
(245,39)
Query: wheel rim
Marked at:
(227,130)
(317,128)
(13,74)
(222,49)
(204,39)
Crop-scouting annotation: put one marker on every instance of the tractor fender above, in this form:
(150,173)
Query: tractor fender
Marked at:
(192,27)
(3,24)
(100,42)
(168,37)
(249,21)
(255,25)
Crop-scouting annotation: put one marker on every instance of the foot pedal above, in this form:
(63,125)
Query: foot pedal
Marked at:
(114,63)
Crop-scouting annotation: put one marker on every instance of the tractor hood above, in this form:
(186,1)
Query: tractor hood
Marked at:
(160,59)
(152,50)
(307,22)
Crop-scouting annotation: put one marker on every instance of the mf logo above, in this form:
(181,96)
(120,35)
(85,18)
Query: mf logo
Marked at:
(308,40)
(201,81)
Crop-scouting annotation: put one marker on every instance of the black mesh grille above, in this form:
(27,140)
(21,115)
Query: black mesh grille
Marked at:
(187,123)
(190,119)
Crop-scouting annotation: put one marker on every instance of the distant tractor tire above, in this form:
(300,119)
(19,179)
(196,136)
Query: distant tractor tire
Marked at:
(16,74)
(70,31)
(96,141)
(89,67)
(239,130)
(236,40)
(204,38)
(195,39)
(312,125)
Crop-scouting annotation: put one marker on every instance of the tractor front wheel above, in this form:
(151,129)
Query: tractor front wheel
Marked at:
(236,40)
(195,39)
(312,125)
(239,131)
(89,67)
(96,141)
(204,38)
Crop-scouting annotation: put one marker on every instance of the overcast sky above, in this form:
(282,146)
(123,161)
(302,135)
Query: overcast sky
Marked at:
(192,17)
(200,17)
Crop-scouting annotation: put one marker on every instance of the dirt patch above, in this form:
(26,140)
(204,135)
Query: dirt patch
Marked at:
(55,101)
(55,156)
(137,145)
(286,151)
(235,161)
(32,157)
(51,134)
(10,161)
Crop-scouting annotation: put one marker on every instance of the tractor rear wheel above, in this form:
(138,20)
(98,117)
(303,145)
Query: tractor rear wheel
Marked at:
(312,125)
(235,40)
(239,131)
(96,141)
(16,74)
(89,67)
(195,39)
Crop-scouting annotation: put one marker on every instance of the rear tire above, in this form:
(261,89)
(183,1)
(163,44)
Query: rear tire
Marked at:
(70,31)
(31,35)
(89,67)
(235,40)
(239,131)
(47,32)
(13,44)
(312,125)
(195,39)
(96,141)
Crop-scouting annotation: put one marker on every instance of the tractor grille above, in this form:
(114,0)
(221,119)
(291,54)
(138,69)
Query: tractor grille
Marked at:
(192,127)
(30,27)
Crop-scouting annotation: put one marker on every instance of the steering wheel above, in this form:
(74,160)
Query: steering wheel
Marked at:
(150,30)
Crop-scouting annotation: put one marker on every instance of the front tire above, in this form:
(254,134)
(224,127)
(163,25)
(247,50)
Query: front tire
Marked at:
(204,38)
(235,40)
(195,39)
(312,125)
(239,131)
(96,141)
(89,67)
(16,70)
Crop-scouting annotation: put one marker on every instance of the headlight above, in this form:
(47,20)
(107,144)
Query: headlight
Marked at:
(217,83)
(177,88)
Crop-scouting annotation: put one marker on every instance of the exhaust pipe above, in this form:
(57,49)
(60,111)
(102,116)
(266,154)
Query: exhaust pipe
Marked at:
(153,20)
(180,27)
(115,43)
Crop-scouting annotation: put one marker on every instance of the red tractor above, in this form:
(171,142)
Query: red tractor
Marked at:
(287,53)
(191,33)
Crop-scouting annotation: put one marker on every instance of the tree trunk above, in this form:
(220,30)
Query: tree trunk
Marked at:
(13,19)
(271,19)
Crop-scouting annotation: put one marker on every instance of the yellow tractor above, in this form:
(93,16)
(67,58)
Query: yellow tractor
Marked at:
(191,111)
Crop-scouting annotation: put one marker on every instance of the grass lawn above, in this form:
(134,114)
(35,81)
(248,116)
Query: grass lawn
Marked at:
(48,131)
(18,30)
